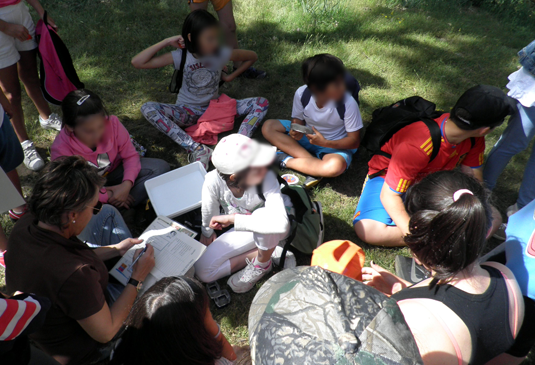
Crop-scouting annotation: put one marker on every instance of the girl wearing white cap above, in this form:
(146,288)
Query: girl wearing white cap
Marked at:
(241,165)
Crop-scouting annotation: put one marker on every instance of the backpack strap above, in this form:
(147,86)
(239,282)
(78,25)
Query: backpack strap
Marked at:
(472,142)
(341,108)
(436,139)
(305,98)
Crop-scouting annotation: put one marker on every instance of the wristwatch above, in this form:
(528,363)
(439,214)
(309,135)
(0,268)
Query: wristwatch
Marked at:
(138,284)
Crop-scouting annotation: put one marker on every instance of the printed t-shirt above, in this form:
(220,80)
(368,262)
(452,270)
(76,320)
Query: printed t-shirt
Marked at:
(200,82)
(411,148)
(327,120)
(67,272)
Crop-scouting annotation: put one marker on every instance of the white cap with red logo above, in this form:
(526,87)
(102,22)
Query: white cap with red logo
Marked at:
(236,152)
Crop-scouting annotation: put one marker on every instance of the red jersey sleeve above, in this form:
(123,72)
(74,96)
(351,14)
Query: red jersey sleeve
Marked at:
(476,156)
(407,161)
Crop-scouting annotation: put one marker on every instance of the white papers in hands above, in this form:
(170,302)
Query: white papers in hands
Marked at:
(175,252)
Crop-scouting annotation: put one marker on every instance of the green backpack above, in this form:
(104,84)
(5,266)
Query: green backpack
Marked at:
(307,231)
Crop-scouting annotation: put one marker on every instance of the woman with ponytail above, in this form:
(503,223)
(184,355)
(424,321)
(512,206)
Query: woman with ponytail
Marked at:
(465,313)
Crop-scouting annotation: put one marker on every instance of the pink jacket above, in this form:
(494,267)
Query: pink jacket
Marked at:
(218,118)
(115,148)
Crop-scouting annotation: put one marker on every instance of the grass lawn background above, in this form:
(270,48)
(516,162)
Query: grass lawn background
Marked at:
(394,52)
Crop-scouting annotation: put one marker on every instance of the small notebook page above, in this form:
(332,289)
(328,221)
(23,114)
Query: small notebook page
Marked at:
(9,196)
(175,252)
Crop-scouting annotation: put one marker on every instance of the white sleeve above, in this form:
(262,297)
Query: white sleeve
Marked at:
(177,58)
(297,108)
(272,218)
(353,119)
(210,202)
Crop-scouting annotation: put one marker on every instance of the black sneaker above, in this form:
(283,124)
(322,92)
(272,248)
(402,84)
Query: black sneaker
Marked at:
(409,270)
(253,73)
(279,160)
(312,181)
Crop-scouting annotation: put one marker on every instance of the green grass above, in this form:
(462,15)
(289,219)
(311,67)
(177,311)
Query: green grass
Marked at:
(393,51)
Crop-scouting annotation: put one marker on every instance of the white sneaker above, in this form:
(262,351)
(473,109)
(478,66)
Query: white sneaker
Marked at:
(244,280)
(53,122)
(289,263)
(203,155)
(32,160)
(512,210)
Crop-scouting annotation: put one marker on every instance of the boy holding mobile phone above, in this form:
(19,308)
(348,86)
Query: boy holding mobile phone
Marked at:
(324,105)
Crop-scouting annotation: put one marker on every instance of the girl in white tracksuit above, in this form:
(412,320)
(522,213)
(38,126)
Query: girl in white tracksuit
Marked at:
(241,165)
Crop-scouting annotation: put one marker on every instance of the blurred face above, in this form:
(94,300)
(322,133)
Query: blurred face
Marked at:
(208,41)
(335,91)
(255,176)
(90,130)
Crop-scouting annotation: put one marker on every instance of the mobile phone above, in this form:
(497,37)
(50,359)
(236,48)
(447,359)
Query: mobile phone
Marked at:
(302,129)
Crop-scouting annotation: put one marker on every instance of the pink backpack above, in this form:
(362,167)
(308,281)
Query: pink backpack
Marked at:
(57,74)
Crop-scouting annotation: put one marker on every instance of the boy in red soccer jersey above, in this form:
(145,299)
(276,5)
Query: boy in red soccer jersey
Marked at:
(380,217)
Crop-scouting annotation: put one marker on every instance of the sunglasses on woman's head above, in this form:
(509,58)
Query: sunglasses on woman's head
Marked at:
(97,208)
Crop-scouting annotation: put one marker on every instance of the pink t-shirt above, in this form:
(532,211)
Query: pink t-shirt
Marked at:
(4,3)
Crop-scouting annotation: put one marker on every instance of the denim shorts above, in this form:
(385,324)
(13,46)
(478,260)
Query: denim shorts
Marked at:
(319,151)
(11,154)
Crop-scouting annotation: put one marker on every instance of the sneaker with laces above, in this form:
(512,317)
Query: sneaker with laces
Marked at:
(15,216)
(312,181)
(32,160)
(289,263)
(202,154)
(512,210)
(245,279)
(500,233)
(253,73)
(53,122)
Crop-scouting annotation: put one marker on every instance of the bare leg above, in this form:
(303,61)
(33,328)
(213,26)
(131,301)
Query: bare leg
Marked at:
(379,234)
(29,77)
(237,263)
(330,166)
(226,18)
(9,81)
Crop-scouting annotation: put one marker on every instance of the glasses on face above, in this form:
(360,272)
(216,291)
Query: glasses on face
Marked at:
(97,208)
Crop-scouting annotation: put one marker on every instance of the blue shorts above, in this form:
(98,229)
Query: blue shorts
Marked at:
(318,151)
(370,206)
(11,154)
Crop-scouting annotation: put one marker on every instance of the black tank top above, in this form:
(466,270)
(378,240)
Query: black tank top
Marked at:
(485,315)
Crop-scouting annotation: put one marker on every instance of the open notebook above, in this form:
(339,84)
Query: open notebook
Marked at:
(175,252)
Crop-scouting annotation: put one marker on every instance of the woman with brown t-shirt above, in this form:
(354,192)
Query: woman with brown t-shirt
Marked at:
(46,258)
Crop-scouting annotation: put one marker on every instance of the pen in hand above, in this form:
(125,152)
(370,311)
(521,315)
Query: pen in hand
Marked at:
(139,256)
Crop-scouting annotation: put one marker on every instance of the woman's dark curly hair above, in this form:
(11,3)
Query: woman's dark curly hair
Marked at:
(66,185)
(447,236)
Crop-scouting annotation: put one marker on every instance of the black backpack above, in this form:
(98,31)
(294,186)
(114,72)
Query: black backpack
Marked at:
(352,85)
(391,119)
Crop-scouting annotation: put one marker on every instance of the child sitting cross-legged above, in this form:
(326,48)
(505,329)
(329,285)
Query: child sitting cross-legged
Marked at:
(259,225)
(202,62)
(328,151)
(102,140)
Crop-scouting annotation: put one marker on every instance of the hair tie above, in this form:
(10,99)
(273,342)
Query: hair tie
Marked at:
(460,193)
(83,99)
